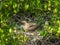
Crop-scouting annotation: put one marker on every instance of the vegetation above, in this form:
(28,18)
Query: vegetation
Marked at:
(43,10)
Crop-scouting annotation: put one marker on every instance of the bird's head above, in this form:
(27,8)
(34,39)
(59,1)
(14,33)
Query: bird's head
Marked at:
(23,22)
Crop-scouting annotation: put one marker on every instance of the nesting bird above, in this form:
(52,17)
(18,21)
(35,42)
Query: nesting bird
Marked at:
(29,26)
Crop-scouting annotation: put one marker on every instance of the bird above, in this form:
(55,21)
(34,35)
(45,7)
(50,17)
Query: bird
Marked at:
(29,26)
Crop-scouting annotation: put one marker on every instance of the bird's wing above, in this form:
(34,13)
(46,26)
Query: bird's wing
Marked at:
(32,24)
(33,27)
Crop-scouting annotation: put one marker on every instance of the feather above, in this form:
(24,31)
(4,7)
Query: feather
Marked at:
(30,26)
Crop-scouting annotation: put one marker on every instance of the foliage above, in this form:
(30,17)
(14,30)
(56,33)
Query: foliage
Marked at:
(44,10)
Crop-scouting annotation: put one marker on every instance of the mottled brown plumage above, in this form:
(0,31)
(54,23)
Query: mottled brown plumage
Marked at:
(29,26)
